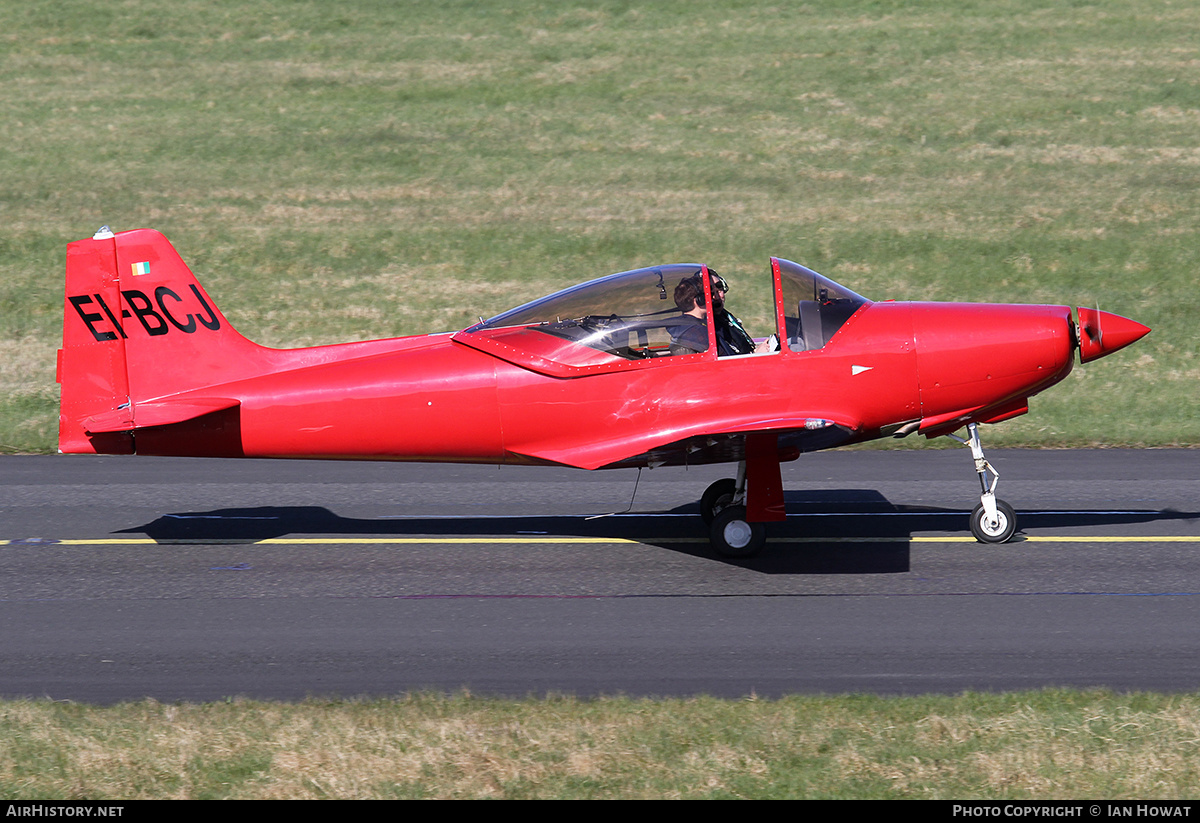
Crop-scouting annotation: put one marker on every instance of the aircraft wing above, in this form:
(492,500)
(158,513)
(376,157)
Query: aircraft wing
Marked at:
(717,441)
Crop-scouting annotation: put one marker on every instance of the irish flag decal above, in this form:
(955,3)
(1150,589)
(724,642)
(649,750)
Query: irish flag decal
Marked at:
(141,268)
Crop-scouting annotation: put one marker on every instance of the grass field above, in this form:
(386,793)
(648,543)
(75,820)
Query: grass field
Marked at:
(368,169)
(1033,745)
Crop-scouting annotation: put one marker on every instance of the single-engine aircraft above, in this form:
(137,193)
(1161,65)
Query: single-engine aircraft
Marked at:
(593,376)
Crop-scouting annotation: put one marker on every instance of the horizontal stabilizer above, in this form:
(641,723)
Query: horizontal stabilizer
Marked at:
(156,413)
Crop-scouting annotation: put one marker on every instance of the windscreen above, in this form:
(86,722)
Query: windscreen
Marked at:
(814,307)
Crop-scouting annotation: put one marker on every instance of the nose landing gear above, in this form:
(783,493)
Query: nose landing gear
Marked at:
(992,520)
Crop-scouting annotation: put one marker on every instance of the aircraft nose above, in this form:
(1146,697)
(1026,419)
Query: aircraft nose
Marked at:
(1102,333)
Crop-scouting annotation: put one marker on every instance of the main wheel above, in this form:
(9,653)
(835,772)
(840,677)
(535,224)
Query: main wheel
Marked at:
(999,530)
(716,497)
(732,536)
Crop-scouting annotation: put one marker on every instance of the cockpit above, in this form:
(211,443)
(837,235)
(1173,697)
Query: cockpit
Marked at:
(631,318)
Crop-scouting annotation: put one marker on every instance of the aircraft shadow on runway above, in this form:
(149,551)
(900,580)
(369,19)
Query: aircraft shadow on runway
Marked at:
(845,531)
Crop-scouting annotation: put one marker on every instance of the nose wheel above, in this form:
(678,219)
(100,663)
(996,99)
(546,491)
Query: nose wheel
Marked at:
(993,528)
(992,520)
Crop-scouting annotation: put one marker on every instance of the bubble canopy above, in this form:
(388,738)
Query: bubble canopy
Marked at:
(632,316)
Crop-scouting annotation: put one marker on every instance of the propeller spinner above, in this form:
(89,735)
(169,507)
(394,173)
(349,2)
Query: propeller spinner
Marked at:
(1102,333)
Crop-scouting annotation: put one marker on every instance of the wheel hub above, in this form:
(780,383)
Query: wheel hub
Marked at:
(737,533)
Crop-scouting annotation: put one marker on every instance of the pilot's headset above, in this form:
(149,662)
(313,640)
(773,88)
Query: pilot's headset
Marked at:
(715,281)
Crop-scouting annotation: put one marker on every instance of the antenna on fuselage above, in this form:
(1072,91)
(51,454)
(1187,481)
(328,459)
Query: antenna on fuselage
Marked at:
(628,508)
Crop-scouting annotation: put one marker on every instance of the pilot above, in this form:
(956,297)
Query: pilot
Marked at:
(731,335)
(693,336)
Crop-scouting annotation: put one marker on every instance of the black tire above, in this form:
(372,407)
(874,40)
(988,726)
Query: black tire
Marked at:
(732,536)
(1000,531)
(716,497)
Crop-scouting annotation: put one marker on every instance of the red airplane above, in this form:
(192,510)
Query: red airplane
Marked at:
(611,373)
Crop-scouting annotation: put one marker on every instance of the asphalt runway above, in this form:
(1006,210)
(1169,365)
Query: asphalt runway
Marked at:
(187,579)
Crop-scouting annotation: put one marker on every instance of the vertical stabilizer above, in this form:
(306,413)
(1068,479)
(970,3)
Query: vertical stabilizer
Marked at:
(139,329)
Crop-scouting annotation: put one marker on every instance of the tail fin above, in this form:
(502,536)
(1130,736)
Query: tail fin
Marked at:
(138,330)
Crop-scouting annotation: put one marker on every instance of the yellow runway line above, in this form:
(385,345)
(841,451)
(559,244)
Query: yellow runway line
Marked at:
(415,541)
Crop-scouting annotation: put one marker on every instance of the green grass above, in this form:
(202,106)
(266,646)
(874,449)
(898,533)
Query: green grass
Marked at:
(1043,745)
(376,169)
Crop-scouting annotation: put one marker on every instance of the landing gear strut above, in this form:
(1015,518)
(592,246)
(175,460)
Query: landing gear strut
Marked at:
(992,520)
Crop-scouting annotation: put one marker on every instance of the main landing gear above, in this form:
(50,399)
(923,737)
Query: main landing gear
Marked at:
(723,509)
(992,520)
(737,510)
